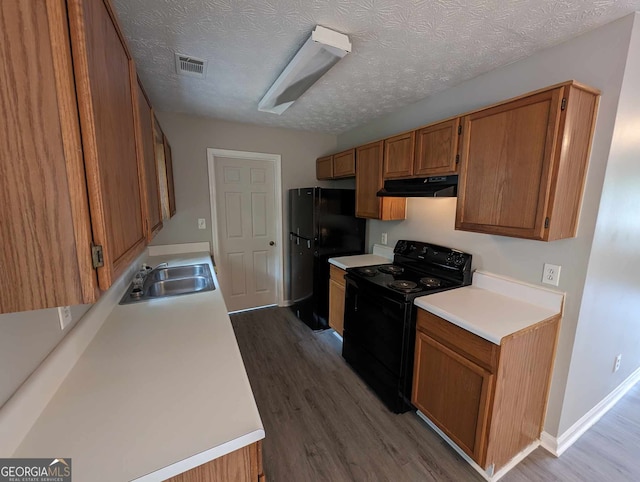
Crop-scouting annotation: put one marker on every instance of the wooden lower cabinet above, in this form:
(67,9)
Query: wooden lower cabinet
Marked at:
(336,298)
(242,465)
(489,399)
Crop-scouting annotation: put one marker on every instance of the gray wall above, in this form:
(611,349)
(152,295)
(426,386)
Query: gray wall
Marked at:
(25,341)
(190,137)
(609,322)
(596,59)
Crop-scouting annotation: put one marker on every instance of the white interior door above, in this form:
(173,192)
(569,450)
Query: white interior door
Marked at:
(247,231)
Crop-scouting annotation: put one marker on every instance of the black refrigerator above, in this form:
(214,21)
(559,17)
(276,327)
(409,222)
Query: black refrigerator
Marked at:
(322,225)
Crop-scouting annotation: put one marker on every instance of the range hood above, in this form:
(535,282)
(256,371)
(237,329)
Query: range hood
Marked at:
(435,186)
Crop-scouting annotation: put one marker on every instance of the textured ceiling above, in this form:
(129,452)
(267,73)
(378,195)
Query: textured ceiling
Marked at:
(403,50)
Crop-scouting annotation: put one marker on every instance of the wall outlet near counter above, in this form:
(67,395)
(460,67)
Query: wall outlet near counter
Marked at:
(383,238)
(551,274)
(202,223)
(616,364)
(64,313)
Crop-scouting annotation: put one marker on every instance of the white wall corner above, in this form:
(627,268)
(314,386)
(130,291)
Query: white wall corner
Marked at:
(558,445)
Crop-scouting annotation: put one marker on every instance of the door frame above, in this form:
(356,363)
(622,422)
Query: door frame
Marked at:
(276,159)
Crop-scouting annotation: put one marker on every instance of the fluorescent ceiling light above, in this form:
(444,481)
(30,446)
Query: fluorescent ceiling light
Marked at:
(319,53)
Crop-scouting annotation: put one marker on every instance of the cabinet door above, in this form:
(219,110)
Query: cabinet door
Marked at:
(505,171)
(344,164)
(336,298)
(437,149)
(454,393)
(171,191)
(163,183)
(398,155)
(324,168)
(105,78)
(45,255)
(369,182)
(336,306)
(153,213)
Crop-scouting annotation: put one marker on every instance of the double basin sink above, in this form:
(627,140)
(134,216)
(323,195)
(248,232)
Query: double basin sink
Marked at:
(171,281)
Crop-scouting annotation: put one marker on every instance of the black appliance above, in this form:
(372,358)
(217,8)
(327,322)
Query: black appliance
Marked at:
(322,225)
(434,186)
(380,318)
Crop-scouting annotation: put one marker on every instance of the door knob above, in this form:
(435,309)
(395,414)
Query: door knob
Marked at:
(272,243)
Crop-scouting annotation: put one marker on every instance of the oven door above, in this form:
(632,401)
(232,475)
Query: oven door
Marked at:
(375,335)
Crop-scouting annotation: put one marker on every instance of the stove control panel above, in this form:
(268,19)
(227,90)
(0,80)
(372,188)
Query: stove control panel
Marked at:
(433,254)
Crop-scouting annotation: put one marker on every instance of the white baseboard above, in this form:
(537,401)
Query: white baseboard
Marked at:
(557,445)
(183,248)
(489,474)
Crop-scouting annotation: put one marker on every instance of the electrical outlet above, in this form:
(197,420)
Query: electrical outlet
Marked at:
(551,274)
(383,238)
(64,313)
(202,223)
(616,365)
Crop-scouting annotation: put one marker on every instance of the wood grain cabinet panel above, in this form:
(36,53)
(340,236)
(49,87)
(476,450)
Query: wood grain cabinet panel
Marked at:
(344,164)
(164,162)
(436,149)
(105,79)
(523,164)
(71,175)
(369,181)
(453,392)
(398,155)
(242,465)
(489,399)
(150,187)
(324,168)
(44,220)
(171,191)
(336,298)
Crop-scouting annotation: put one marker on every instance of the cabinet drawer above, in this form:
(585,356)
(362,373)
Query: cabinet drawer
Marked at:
(477,349)
(337,274)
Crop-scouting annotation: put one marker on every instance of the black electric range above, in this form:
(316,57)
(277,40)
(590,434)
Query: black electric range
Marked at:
(380,319)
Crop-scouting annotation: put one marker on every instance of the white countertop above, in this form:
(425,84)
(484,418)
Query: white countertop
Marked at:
(161,389)
(381,255)
(494,306)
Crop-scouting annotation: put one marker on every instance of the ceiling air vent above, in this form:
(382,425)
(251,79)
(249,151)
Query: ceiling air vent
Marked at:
(191,66)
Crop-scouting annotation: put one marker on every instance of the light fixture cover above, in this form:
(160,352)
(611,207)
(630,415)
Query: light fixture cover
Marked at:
(322,50)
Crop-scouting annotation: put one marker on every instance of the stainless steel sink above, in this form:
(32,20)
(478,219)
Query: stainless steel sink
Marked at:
(173,272)
(171,281)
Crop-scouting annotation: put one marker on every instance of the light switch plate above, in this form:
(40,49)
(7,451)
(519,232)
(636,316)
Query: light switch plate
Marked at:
(202,223)
(383,238)
(551,274)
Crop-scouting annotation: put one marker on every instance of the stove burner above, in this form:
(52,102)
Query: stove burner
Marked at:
(430,282)
(367,271)
(391,269)
(403,285)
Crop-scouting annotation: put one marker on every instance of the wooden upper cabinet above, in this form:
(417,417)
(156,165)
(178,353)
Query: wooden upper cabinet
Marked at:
(344,164)
(151,204)
(336,166)
(324,168)
(105,79)
(436,149)
(523,164)
(171,192)
(398,155)
(45,254)
(369,182)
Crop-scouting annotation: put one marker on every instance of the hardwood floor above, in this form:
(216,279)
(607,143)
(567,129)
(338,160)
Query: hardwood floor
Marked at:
(324,424)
